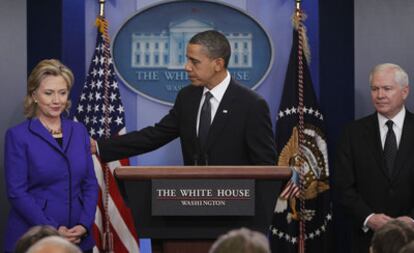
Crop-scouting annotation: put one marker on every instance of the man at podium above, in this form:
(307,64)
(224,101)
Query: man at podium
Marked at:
(218,121)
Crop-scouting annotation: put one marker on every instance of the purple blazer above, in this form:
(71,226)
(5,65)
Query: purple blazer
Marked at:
(49,184)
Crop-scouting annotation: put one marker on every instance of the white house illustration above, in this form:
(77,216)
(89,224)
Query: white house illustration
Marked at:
(167,49)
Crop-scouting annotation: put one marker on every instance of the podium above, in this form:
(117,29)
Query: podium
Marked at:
(183,234)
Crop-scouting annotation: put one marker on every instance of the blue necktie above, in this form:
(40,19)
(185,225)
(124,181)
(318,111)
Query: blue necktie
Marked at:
(390,147)
(205,120)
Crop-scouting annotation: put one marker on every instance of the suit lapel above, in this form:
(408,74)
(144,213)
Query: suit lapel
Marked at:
(193,110)
(222,114)
(373,134)
(38,129)
(67,133)
(405,148)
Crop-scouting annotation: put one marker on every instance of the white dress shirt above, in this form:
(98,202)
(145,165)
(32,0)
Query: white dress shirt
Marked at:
(396,127)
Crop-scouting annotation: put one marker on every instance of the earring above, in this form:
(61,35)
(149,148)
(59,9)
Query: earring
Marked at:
(35,101)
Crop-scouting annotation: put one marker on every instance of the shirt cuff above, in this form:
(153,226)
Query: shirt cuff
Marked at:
(365,228)
(97,148)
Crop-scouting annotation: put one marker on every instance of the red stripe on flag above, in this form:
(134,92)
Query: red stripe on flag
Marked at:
(118,247)
(124,162)
(120,205)
(124,212)
(290,190)
(97,236)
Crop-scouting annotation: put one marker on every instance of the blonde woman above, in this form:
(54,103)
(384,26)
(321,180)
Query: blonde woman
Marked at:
(48,166)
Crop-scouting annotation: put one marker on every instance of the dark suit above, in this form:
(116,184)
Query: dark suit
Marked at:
(363,184)
(240,134)
(49,184)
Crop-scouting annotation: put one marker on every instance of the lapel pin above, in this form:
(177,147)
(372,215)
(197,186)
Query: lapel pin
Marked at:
(225,111)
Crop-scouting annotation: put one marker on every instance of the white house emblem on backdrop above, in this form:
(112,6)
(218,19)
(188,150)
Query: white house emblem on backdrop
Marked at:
(149,50)
(168,48)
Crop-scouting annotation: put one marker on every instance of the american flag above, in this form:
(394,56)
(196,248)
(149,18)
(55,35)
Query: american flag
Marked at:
(100,109)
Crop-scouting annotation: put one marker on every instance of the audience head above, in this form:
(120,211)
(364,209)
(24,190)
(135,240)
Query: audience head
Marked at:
(391,237)
(408,248)
(33,235)
(241,240)
(54,244)
(44,69)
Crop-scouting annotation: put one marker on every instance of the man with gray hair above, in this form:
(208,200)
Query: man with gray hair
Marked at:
(241,240)
(374,167)
(54,244)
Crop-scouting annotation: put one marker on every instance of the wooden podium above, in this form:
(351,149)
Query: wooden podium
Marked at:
(173,234)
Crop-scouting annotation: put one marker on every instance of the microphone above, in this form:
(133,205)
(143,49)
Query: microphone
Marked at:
(196,155)
(200,155)
(205,159)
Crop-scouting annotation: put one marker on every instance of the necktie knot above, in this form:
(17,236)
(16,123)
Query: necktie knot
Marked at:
(389,124)
(208,96)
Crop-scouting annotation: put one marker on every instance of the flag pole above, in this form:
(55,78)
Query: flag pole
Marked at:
(107,244)
(302,230)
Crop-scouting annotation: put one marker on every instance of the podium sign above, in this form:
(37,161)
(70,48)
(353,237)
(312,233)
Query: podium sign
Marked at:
(203,197)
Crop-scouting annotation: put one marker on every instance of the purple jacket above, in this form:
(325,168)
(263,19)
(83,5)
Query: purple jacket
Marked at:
(48,184)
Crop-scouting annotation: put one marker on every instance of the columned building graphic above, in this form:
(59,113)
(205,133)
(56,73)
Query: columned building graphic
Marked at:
(167,49)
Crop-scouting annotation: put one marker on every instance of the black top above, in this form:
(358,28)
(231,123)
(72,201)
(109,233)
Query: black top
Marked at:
(59,141)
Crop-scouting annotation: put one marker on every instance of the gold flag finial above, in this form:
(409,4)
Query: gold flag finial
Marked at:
(102,8)
(298,17)
(298,7)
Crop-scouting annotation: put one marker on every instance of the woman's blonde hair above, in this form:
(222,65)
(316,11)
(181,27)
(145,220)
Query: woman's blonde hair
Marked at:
(48,67)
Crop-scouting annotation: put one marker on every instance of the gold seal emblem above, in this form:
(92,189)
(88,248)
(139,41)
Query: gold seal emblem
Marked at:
(313,161)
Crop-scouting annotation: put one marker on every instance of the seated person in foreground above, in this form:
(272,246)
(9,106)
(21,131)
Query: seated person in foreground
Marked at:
(391,237)
(241,240)
(408,248)
(34,235)
(54,244)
